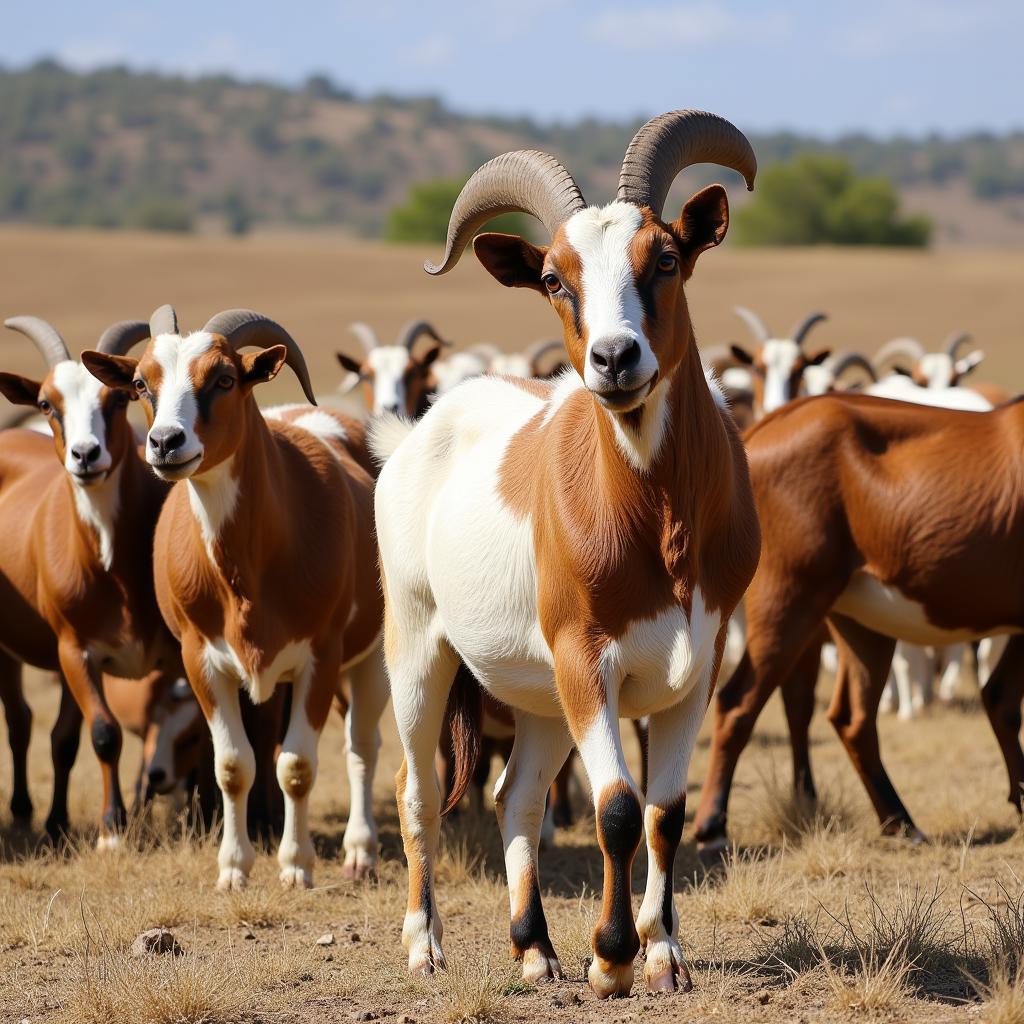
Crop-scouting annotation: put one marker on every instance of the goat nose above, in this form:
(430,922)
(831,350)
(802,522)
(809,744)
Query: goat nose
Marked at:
(85,452)
(615,355)
(164,440)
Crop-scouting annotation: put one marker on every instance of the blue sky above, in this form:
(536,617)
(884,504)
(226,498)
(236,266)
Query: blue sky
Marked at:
(882,66)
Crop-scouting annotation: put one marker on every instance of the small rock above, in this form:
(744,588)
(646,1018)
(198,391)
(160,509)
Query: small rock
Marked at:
(557,1003)
(408,1020)
(327,939)
(156,942)
(248,934)
(764,998)
(329,959)
(576,1001)
(354,937)
(366,1015)
(305,976)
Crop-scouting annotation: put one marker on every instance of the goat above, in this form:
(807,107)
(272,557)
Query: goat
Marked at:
(777,364)
(530,364)
(825,377)
(264,564)
(554,538)
(909,517)
(394,377)
(76,582)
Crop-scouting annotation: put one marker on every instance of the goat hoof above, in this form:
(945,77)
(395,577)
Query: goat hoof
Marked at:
(232,880)
(541,965)
(609,980)
(359,872)
(295,877)
(107,842)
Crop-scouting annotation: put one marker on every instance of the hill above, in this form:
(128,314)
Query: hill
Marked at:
(119,148)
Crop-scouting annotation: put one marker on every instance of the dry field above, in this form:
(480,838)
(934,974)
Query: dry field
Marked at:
(816,918)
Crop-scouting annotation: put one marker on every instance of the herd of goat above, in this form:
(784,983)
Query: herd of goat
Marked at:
(520,549)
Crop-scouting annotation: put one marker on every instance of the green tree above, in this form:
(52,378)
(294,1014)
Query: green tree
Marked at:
(819,200)
(423,217)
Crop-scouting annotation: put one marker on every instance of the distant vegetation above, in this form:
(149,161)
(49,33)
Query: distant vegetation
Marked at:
(116,148)
(819,199)
(424,215)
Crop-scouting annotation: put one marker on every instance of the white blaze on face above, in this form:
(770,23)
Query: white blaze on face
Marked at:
(176,404)
(779,356)
(610,304)
(817,380)
(83,424)
(937,370)
(389,363)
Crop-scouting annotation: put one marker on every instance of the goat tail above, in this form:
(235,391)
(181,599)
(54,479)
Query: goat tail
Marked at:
(385,433)
(464,718)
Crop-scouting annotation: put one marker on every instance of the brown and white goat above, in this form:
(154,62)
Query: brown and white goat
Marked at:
(395,378)
(777,364)
(264,565)
(579,545)
(76,577)
(908,517)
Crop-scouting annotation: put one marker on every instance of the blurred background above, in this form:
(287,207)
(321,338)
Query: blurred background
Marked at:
(223,154)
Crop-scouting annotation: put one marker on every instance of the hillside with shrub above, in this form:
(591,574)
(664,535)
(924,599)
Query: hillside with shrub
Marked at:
(116,148)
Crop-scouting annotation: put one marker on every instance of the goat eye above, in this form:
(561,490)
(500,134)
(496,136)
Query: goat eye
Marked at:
(552,283)
(225,382)
(140,385)
(667,262)
(44,406)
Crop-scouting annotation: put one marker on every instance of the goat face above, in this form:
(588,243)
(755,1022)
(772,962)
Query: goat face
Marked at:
(87,419)
(393,378)
(174,739)
(780,365)
(194,390)
(615,276)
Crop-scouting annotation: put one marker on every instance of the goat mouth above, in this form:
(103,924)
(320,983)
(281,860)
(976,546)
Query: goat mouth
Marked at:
(626,399)
(177,470)
(89,478)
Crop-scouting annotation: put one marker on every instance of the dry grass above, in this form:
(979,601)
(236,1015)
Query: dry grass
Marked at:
(1002,997)
(802,925)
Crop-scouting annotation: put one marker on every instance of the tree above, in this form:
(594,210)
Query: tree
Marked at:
(819,200)
(423,217)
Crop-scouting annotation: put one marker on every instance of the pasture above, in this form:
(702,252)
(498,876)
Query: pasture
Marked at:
(817,916)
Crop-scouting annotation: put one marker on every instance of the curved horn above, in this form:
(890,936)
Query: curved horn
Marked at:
(541,348)
(163,321)
(669,143)
(414,330)
(43,335)
(366,334)
(753,321)
(803,328)
(839,364)
(910,348)
(954,341)
(244,327)
(524,181)
(118,338)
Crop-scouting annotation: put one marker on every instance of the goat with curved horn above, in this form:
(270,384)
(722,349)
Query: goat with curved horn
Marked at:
(416,329)
(668,144)
(754,322)
(841,362)
(953,343)
(366,335)
(243,327)
(119,338)
(803,328)
(907,348)
(523,181)
(43,335)
(163,321)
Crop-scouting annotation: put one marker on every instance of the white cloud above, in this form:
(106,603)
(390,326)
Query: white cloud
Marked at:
(668,26)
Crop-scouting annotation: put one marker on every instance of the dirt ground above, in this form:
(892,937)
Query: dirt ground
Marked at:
(816,918)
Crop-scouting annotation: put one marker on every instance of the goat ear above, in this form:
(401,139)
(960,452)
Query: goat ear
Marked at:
(430,356)
(901,371)
(348,363)
(259,367)
(511,260)
(116,372)
(19,390)
(964,366)
(819,357)
(741,355)
(703,222)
